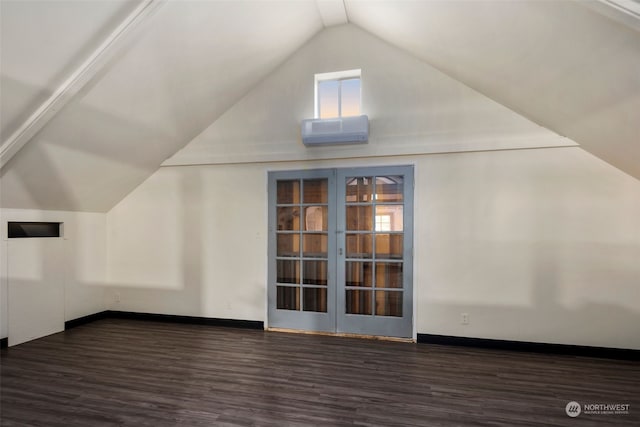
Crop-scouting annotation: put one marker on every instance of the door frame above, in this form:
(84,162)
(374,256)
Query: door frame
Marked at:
(274,320)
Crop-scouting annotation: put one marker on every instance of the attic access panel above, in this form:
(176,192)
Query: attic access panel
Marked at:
(16,230)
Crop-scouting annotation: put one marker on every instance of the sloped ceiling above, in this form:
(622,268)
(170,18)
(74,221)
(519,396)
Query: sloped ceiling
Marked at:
(563,65)
(412,109)
(190,63)
(41,43)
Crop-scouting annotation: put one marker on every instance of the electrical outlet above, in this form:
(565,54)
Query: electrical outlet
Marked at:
(116,297)
(464,318)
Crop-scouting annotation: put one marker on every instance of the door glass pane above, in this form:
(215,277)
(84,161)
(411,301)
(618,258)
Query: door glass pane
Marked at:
(288,192)
(359,189)
(314,299)
(289,218)
(358,302)
(314,245)
(388,275)
(315,191)
(288,245)
(389,217)
(389,303)
(389,188)
(288,298)
(314,273)
(359,273)
(389,246)
(288,271)
(359,218)
(315,218)
(359,246)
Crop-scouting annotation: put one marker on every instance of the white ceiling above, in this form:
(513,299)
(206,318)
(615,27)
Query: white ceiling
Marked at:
(41,43)
(189,64)
(565,66)
(558,63)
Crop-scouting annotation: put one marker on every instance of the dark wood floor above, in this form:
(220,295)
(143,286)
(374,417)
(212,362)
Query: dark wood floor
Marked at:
(134,373)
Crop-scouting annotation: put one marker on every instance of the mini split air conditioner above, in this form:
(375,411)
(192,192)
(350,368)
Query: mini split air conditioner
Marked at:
(343,130)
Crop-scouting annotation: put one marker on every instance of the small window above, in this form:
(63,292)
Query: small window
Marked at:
(338,94)
(33,229)
(383,222)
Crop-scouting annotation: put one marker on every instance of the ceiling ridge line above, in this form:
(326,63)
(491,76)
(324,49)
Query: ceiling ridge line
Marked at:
(76,81)
(346,11)
(626,12)
(625,6)
(332,12)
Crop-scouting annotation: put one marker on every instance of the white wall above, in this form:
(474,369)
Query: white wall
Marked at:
(535,245)
(412,107)
(84,254)
(192,241)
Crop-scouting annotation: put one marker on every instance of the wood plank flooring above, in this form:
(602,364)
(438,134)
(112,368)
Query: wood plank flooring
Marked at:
(116,372)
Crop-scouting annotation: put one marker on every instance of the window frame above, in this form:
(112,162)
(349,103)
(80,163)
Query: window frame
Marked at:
(335,76)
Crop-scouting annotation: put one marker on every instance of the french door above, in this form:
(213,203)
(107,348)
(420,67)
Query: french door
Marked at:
(340,250)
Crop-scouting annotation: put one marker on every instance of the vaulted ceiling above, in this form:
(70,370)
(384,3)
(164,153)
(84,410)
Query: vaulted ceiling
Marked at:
(570,66)
(95,95)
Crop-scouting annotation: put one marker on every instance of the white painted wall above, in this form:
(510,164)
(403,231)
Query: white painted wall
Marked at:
(539,245)
(412,107)
(82,261)
(535,245)
(192,241)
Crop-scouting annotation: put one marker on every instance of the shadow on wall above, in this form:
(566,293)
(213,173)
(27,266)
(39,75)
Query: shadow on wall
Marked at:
(191,193)
(177,247)
(599,325)
(188,252)
(569,298)
(178,232)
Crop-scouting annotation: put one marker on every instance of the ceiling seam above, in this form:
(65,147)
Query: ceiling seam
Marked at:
(76,81)
(346,11)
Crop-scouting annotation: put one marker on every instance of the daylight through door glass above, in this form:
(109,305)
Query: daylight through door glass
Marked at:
(302,241)
(374,245)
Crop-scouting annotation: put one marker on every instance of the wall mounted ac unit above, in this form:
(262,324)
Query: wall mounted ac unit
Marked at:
(343,130)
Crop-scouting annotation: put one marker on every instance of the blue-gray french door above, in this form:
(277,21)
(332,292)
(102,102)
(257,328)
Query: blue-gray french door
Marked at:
(341,249)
